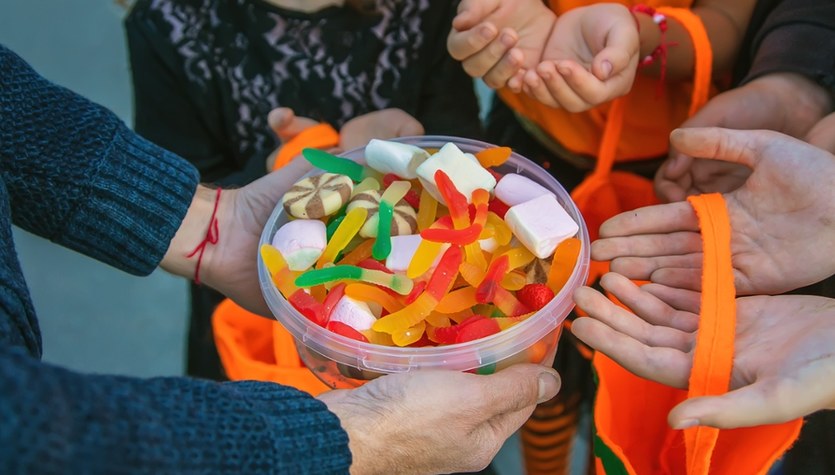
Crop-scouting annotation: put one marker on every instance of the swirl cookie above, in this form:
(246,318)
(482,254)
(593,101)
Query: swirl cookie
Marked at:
(317,196)
(404,220)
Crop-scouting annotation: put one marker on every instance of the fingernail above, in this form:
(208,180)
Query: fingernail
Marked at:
(607,69)
(549,385)
(487,32)
(564,71)
(686,424)
(508,40)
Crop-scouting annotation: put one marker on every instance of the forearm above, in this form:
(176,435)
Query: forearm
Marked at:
(725,26)
(57,421)
(76,175)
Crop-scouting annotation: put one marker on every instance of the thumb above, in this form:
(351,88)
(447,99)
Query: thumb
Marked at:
(279,118)
(614,58)
(410,127)
(757,404)
(738,146)
(518,387)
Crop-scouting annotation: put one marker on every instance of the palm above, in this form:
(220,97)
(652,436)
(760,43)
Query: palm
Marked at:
(782,343)
(572,40)
(783,235)
(233,269)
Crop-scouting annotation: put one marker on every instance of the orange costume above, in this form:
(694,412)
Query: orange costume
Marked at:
(631,433)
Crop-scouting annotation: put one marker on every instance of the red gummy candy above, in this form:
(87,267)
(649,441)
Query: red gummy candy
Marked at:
(535,296)
(498,206)
(498,176)
(333,297)
(309,307)
(418,289)
(474,329)
(345,330)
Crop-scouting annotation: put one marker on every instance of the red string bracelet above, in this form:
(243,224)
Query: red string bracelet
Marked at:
(212,236)
(660,51)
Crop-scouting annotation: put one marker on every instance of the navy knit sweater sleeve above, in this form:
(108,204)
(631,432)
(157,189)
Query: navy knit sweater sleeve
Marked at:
(72,172)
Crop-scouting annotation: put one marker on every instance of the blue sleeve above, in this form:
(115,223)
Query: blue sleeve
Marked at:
(57,421)
(78,176)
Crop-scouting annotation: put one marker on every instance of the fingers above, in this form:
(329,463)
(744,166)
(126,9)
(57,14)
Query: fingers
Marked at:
(472,12)
(687,279)
(675,243)
(497,62)
(286,124)
(659,324)
(687,301)
(642,268)
(673,180)
(736,146)
(463,44)
(664,365)
(637,325)
(616,57)
(658,219)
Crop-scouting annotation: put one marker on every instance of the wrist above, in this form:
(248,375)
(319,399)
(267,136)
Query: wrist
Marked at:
(800,101)
(184,256)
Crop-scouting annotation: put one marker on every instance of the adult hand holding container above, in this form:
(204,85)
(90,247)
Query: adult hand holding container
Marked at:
(483,264)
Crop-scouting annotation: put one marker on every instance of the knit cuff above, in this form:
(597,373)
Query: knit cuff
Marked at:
(137,200)
(301,424)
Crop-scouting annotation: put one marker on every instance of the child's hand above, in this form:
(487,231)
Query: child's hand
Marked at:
(382,124)
(500,57)
(286,125)
(783,360)
(591,57)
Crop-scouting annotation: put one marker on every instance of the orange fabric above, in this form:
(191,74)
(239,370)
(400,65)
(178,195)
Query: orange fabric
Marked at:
(318,136)
(254,347)
(633,425)
(713,355)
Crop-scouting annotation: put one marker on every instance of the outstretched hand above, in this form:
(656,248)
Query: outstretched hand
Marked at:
(498,40)
(437,421)
(783,368)
(782,218)
(590,58)
(784,102)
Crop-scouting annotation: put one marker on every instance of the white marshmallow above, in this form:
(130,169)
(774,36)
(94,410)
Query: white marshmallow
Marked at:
(466,174)
(403,249)
(489,244)
(394,157)
(541,224)
(514,189)
(354,313)
(301,242)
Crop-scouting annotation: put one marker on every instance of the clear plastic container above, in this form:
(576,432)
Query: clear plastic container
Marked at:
(341,362)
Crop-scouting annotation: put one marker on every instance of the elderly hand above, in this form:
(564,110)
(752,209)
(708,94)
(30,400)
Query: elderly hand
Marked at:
(782,218)
(437,421)
(784,366)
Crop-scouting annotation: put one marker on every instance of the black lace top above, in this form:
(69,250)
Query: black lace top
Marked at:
(207,72)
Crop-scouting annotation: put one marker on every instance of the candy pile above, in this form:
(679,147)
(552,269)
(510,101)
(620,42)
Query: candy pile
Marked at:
(420,249)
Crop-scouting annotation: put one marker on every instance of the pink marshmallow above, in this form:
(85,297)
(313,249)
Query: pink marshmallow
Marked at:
(514,189)
(354,313)
(301,242)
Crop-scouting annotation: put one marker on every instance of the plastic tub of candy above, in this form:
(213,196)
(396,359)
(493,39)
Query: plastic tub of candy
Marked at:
(343,362)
